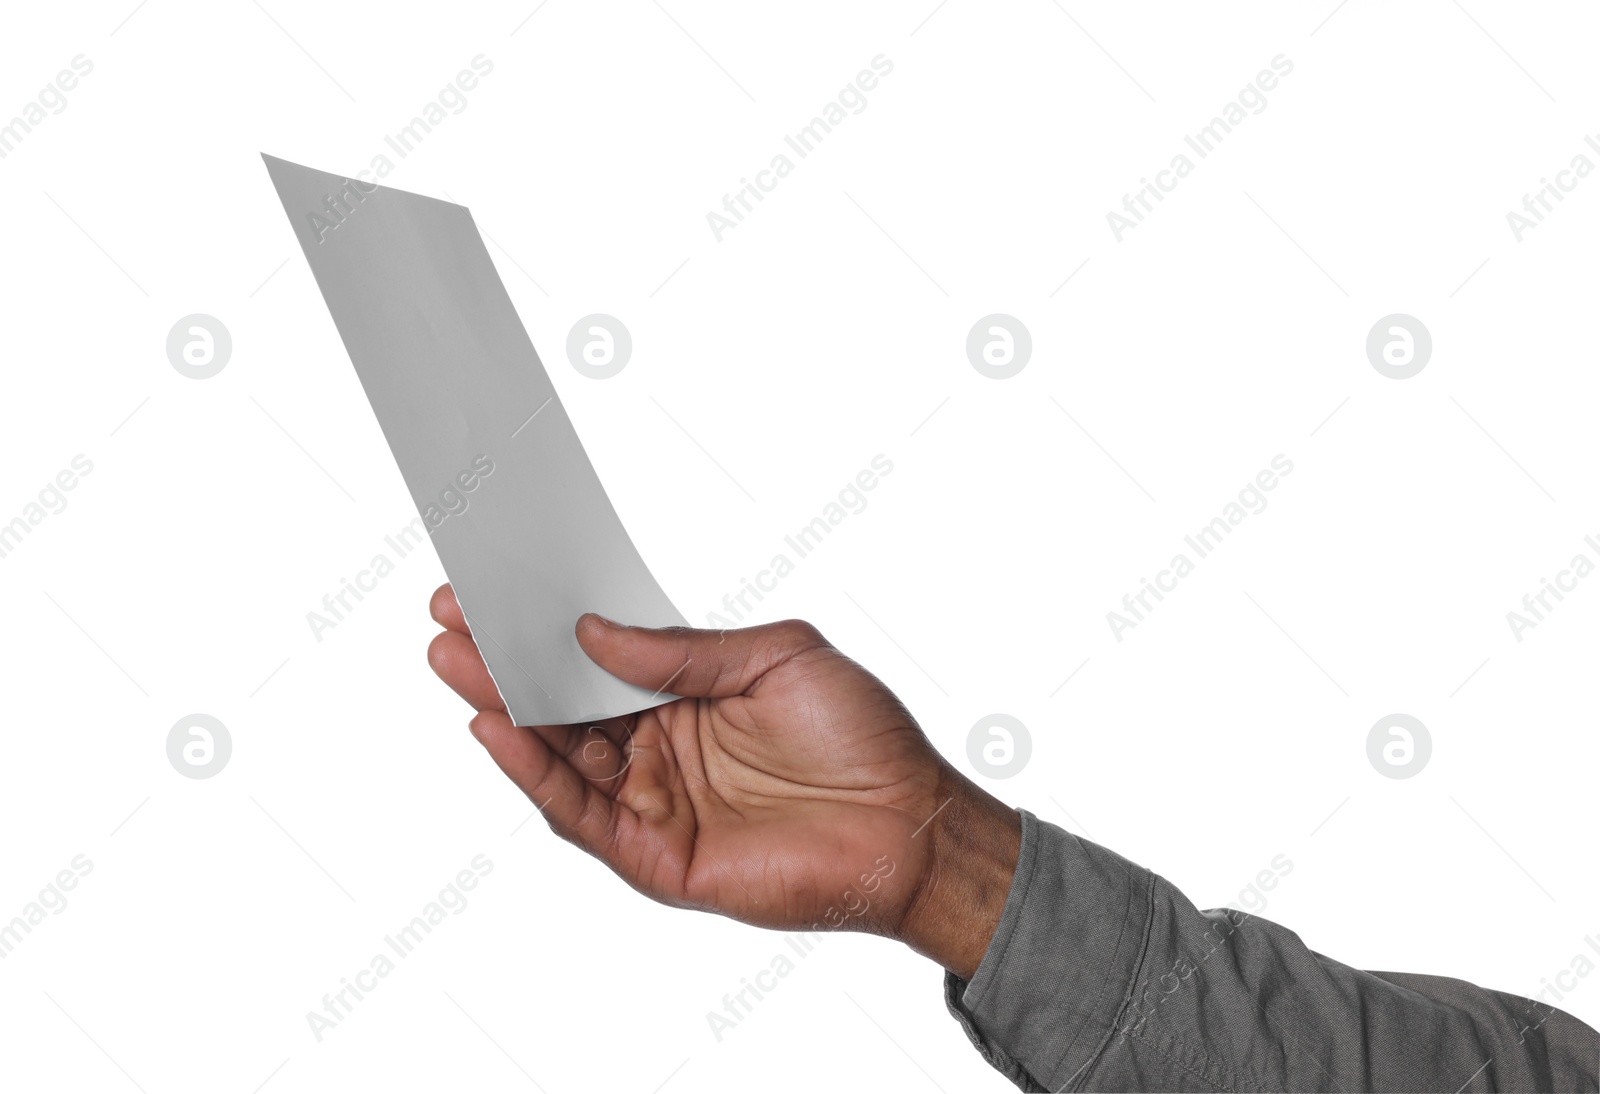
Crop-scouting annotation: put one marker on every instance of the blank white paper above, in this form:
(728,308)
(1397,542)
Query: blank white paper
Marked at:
(521,522)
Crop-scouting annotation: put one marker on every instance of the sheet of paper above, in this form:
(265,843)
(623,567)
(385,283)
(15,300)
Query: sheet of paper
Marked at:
(520,520)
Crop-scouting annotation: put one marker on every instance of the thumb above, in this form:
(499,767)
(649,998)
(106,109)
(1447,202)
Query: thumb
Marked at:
(693,663)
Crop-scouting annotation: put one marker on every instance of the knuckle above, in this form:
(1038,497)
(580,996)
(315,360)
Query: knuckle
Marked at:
(798,634)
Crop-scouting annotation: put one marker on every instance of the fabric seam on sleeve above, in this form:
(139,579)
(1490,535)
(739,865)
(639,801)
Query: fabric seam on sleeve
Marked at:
(1122,933)
(1229,1083)
(1133,984)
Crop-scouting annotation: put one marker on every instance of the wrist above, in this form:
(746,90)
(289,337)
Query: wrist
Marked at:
(974,842)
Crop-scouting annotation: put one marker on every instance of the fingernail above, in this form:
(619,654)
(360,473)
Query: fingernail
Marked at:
(606,622)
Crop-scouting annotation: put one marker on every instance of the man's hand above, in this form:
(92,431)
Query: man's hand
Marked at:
(788,789)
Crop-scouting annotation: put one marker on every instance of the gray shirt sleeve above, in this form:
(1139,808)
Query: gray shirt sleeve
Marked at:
(1102,976)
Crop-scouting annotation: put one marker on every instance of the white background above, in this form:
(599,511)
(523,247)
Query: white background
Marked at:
(1224,730)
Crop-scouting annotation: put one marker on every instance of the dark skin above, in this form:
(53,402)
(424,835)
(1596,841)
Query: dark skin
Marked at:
(789,788)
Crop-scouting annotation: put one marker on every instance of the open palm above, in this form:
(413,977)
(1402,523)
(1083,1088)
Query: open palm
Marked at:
(788,789)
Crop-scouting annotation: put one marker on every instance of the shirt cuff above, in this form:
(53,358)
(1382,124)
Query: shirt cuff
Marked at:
(1044,1002)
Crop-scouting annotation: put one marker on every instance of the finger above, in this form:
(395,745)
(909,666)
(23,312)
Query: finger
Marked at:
(446,610)
(456,660)
(684,661)
(576,809)
(598,751)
